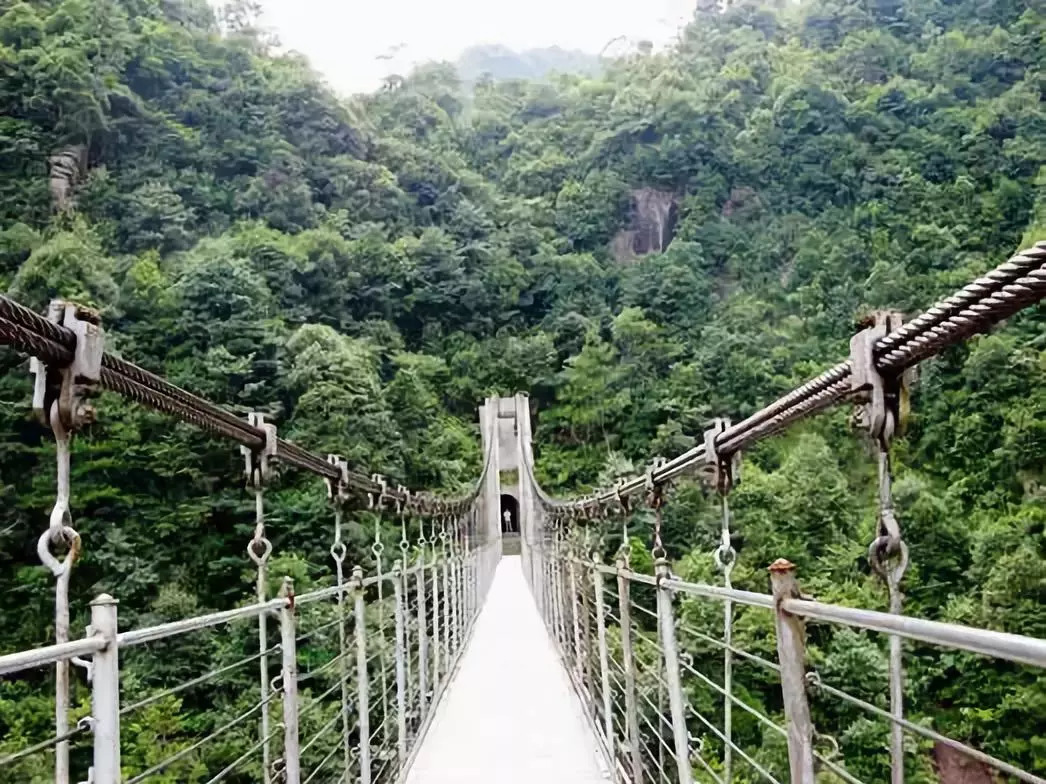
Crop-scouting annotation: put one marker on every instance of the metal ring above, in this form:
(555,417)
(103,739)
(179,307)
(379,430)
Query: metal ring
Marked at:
(377,548)
(43,549)
(725,557)
(338,551)
(266,549)
(833,753)
(879,553)
(895,573)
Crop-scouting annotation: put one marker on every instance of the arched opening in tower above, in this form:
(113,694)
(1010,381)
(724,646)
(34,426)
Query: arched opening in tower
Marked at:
(509,515)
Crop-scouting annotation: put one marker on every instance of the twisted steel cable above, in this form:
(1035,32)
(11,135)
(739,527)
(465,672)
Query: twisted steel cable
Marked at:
(1016,267)
(1012,286)
(35,335)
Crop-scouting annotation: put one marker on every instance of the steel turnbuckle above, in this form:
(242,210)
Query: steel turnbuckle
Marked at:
(60,529)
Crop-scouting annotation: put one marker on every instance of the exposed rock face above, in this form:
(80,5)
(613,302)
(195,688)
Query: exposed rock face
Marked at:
(651,225)
(66,168)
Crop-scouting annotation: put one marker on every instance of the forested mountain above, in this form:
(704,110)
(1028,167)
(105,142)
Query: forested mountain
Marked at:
(501,63)
(367,273)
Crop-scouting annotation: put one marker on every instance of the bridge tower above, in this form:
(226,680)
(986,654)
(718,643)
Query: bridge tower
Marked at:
(505,427)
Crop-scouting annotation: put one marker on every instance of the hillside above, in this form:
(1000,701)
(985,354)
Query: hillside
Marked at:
(367,273)
(501,63)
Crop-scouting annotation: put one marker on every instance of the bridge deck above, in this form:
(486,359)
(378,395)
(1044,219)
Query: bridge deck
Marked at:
(510,714)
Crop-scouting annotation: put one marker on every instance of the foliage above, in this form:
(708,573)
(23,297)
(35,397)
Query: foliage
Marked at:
(365,273)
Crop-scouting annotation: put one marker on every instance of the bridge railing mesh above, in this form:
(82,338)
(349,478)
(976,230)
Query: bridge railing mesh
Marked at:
(656,660)
(671,699)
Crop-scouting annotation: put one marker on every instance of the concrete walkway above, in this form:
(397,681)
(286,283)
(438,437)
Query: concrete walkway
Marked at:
(510,715)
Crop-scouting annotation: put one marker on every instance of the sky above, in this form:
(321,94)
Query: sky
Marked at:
(355,43)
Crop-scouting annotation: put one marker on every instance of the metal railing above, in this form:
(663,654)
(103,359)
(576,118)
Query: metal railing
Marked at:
(631,664)
(347,687)
(361,669)
(628,638)
(347,675)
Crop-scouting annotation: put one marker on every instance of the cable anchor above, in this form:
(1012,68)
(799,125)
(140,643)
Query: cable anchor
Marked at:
(338,494)
(882,411)
(725,474)
(72,386)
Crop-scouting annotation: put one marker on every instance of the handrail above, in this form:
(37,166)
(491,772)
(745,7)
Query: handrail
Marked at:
(1000,645)
(50,654)
(1017,648)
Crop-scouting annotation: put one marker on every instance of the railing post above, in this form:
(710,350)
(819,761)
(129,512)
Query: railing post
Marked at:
(435,619)
(401,665)
(558,604)
(667,625)
(448,617)
(423,638)
(105,693)
(467,585)
(575,621)
(362,676)
(791,652)
(604,659)
(288,644)
(586,637)
(628,662)
(546,587)
(453,596)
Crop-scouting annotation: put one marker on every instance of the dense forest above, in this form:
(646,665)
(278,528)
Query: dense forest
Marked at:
(365,271)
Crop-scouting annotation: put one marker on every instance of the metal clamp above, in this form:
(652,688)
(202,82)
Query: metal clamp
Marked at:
(624,503)
(72,386)
(882,400)
(653,490)
(725,468)
(338,489)
(259,463)
(377,504)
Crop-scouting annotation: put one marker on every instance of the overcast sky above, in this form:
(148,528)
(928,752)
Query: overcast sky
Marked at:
(344,38)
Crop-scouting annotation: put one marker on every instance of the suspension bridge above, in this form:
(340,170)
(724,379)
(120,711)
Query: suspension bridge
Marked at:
(450,661)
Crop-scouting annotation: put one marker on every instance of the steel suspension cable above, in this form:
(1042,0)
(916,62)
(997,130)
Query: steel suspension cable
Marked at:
(33,334)
(1002,292)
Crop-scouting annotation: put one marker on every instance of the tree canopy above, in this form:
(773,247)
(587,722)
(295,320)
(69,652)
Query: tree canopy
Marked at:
(365,271)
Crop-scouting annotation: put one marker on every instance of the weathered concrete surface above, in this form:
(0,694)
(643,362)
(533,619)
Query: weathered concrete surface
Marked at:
(510,716)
